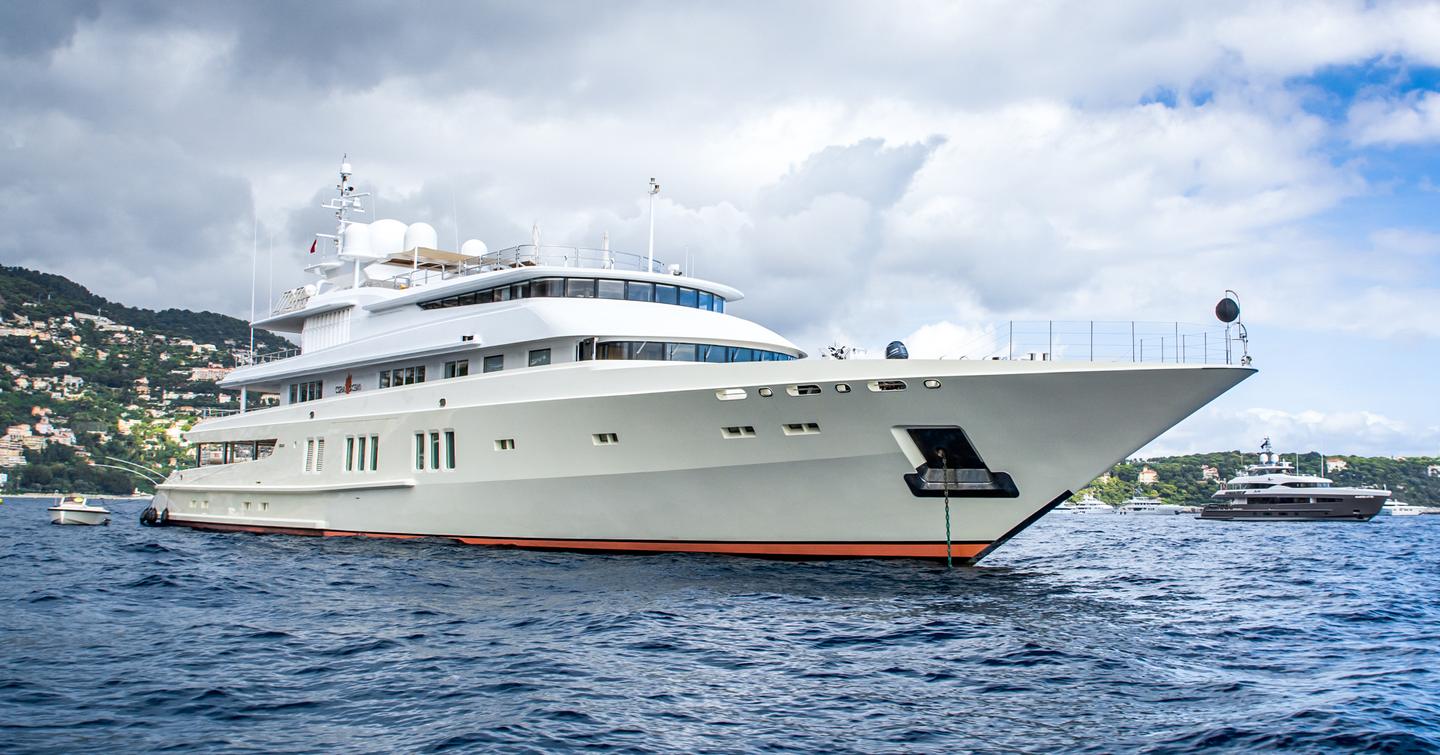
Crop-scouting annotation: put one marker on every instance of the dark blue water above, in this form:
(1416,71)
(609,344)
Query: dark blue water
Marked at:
(1084,634)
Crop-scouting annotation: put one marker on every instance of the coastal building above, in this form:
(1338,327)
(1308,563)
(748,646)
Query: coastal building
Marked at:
(1335,464)
(1433,470)
(1208,472)
(211,372)
(1148,476)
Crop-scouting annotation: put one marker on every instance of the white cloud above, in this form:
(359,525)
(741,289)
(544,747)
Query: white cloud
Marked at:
(1414,118)
(1342,432)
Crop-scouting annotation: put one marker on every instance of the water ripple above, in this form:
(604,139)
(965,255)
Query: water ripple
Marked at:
(1083,634)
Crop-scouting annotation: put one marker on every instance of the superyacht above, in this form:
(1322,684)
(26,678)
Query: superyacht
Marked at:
(1141,504)
(1274,491)
(1088,504)
(587,399)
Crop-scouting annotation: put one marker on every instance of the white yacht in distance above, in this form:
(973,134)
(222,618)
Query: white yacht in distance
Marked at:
(579,399)
(1141,504)
(1088,504)
(1273,491)
(1399,508)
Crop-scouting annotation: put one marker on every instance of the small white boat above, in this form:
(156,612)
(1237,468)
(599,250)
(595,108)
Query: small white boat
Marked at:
(73,509)
(1397,508)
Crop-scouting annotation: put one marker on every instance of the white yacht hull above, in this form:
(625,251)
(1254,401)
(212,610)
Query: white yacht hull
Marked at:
(77,515)
(674,481)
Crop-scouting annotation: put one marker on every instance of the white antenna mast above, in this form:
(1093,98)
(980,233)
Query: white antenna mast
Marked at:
(650,258)
(346,202)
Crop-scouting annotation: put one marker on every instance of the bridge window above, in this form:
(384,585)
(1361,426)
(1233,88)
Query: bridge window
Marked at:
(610,289)
(684,352)
(539,357)
(457,368)
(494,363)
(584,288)
(580,288)
(635,291)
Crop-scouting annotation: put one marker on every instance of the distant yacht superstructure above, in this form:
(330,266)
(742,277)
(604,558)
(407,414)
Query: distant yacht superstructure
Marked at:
(1273,490)
(1147,505)
(1088,504)
(587,399)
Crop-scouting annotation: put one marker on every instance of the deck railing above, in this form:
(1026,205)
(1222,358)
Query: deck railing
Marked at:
(245,358)
(1105,341)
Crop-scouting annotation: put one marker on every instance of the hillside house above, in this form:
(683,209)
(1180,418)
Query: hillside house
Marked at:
(1335,464)
(1148,476)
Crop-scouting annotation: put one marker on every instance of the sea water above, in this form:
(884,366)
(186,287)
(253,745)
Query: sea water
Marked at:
(1101,634)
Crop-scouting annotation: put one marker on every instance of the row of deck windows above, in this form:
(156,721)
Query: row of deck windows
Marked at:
(677,352)
(310,390)
(402,376)
(586,288)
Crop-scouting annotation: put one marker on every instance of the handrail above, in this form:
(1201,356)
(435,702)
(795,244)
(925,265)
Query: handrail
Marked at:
(246,358)
(1102,341)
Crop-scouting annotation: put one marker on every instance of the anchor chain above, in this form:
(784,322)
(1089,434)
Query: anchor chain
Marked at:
(945,464)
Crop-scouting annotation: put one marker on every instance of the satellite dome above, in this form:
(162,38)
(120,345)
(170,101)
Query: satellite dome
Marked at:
(357,243)
(387,237)
(421,234)
(473,248)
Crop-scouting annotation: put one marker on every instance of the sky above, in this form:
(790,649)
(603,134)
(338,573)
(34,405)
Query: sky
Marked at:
(864,172)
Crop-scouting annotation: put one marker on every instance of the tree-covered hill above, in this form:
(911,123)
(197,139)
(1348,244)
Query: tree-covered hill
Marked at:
(35,294)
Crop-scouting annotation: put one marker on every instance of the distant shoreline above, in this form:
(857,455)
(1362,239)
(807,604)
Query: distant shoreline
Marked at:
(54,496)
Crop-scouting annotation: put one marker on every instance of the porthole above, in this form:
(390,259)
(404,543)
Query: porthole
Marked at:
(442,403)
(803,390)
(932,383)
(842,387)
(766,392)
(312,415)
(887,385)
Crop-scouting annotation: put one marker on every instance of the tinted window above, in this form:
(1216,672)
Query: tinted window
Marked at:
(539,357)
(520,290)
(715,354)
(682,352)
(495,363)
(547,287)
(585,351)
(742,355)
(611,289)
(650,350)
(580,288)
(615,350)
(666,294)
(639,291)
(689,297)
(719,304)
(707,300)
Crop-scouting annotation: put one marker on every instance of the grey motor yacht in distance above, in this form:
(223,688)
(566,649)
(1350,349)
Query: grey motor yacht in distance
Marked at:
(1274,491)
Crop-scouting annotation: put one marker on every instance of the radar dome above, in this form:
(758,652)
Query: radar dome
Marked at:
(473,248)
(357,242)
(387,237)
(1228,310)
(421,234)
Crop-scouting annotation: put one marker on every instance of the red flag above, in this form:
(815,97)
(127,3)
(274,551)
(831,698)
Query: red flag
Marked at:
(312,246)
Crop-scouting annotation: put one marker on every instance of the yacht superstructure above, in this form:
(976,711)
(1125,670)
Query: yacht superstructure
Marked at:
(1141,504)
(582,399)
(1088,504)
(1274,491)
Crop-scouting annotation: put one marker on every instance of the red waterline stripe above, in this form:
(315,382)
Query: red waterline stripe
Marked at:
(851,550)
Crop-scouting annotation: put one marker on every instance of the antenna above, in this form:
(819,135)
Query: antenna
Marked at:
(650,258)
(343,204)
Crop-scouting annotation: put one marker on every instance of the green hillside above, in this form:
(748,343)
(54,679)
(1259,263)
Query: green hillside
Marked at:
(85,381)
